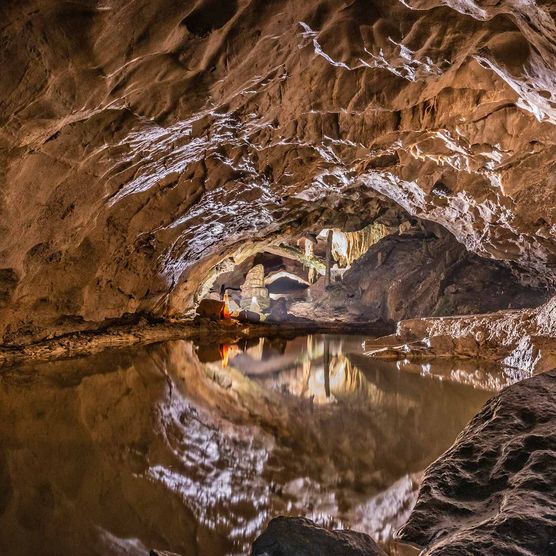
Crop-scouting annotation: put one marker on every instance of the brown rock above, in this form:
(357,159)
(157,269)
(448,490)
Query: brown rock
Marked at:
(523,340)
(134,163)
(210,309)
(494,491)
(298,536)
(249,316)
(278,310)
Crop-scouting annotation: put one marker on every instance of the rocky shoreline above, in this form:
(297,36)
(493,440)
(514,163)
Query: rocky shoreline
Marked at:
(124,335)
(493,492)
(521,339)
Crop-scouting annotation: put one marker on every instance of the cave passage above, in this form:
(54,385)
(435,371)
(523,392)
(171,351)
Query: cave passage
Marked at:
(393,268)
(262,266)
(273,284)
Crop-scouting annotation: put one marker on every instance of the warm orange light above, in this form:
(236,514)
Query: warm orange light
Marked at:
(227,352)
(224,353)
(226,313)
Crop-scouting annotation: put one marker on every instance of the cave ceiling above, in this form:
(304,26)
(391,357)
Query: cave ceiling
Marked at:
(142,142)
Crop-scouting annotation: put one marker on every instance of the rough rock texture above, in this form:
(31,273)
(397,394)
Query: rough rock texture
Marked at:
(524,340)
(253,291)
(493,491)
(297,536)
(141,143)
(425,272)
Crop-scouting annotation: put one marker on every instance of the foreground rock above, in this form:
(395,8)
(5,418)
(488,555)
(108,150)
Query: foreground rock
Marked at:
(494,491)
(298,536)
(524,340)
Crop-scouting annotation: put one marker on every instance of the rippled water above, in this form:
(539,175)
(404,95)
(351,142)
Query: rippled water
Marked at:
(193,449)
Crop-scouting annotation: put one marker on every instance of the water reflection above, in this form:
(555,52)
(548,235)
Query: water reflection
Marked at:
(162,447)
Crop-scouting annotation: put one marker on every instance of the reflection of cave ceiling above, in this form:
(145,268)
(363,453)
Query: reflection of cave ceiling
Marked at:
(141,141)
(123,452)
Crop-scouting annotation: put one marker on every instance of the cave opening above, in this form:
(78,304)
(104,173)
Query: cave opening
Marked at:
(330,276)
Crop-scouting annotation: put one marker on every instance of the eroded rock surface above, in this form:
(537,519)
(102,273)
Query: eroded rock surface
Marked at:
(140,144)
(424,272)
(494,491)
(297,536)
(524,340)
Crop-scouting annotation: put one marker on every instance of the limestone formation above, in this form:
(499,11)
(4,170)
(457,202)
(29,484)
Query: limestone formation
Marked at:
(142,144)
(493,491)
(254,295)
(523,340)
(149,148)
(347,247)
(420,273)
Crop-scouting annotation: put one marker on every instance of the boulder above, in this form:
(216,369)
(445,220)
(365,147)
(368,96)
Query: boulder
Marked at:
(494,491)
(210,309)
(278,310)
(298,536)
(249,316)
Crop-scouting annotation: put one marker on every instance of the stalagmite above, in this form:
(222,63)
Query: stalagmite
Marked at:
(329,237)
(254,295)
(309,254)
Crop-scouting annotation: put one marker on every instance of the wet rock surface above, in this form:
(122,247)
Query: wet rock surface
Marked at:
(140,145)
(424,272)
(524,340)
(494,491)
(297,536)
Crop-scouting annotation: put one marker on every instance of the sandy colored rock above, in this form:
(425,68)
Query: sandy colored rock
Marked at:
(141,145)
(254,295)
(524,340)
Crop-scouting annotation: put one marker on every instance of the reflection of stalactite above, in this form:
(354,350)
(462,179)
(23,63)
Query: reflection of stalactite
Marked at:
(348,381)
(347,247)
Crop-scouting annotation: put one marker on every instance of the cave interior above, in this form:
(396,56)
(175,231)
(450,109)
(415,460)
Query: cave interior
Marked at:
(278,277)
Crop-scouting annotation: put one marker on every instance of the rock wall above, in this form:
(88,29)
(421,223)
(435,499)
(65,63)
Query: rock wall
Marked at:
(141,143)
(423,272)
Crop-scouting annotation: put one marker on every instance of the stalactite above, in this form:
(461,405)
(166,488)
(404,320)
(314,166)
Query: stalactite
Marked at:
(347,247)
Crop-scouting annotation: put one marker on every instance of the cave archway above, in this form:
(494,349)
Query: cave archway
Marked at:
(390,269)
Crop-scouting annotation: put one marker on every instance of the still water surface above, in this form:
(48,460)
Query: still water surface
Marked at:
(192,449)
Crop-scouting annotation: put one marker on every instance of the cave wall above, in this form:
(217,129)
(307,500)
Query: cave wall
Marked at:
(423,272)
(140,143)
